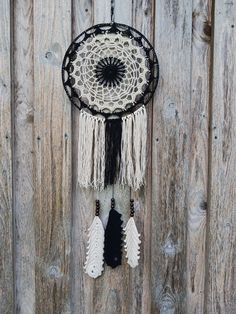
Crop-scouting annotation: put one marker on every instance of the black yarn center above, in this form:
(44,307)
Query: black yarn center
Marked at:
(110,71)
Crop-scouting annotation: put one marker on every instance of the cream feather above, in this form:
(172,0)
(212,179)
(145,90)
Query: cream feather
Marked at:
(95,249)
(132,243)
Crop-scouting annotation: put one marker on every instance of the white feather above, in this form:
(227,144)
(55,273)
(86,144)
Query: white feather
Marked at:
(132,243)
(94,257)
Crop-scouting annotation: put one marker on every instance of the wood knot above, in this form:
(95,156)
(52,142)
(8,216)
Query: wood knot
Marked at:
(54,272)
(167,299)
(201,27)
(207,31)
(203,205)
(170,247)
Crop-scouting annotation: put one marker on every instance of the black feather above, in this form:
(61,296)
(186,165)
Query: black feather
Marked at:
(113,239)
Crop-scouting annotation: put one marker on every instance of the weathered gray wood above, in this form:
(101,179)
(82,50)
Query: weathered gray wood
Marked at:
(52,139)
(6,236)
(140,277)
(83,201)
(170,156)
(221,259)
(197,198)
(110,296)
(122,13)
(178,273)
(23,185)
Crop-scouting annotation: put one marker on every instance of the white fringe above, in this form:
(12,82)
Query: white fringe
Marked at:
(133,149)
(126,162)
(99,154)
(91,151)
(139,146)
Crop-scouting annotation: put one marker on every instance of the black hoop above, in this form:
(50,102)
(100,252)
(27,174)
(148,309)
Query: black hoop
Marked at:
(111,28)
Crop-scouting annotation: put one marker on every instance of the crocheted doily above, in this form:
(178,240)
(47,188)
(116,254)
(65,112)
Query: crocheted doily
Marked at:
(110,68)
(109,72)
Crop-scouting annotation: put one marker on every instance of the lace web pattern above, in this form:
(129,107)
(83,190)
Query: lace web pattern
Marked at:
(123,51)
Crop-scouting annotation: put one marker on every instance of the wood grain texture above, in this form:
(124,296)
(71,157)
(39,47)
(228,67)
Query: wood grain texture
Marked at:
(221,259)
(105,294)
(171,156)
(23,184)
(140,277)
(52,140)
(6,232)
(197,197)
(110,296)
(83,201)
(185,213)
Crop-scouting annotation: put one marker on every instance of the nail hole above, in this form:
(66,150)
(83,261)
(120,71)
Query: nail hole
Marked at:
(48,55)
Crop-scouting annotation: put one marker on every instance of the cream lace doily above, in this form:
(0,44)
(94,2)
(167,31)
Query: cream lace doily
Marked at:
(109,72)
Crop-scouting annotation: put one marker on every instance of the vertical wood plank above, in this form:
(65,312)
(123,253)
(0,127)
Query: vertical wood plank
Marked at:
(6,235)
(197,198)
(83,200)
(105,294)
(221,279)
(123,13)
(109,295)
(170,156)
(140,277)
(23,157)
(52,35)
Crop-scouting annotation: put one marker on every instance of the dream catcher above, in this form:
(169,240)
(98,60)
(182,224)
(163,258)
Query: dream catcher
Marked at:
(110,73)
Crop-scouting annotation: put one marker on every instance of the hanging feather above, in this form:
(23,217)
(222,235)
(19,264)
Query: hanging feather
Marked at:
(133,149)
(112,147)
(132,241)
(95,249)
(113,238)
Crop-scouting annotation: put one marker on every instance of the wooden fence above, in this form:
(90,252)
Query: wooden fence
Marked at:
(186,212)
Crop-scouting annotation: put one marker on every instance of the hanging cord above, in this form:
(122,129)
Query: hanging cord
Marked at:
(113,191)
(112,11)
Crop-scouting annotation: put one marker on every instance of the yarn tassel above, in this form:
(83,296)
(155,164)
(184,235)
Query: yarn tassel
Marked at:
(99,154)
(139,147)
(91,151)
(113,238)
(133,149)
(132,241)
(95,249)
(112,147)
